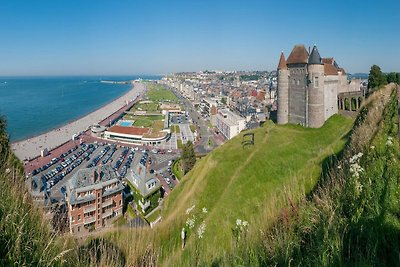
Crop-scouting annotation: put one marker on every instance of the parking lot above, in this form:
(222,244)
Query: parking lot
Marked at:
(183,121)
(55,174)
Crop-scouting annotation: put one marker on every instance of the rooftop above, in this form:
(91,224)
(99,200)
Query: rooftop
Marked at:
(145,182)
(89,179)
(229,117)
(129,130)
(298,55)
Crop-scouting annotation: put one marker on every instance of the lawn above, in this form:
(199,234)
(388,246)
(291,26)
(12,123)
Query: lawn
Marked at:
(145,121)
(154,216)
(192,128)
(179,143)
(177,169)
(159,93)
(145,107)
(176,130)
(235,182)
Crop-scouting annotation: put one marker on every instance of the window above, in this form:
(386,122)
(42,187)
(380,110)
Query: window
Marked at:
(120,202)
(79,218)
(79,228)
(298,82)
(72,219)
(316,83)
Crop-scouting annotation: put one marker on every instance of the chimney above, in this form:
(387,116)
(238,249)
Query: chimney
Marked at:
(309,50)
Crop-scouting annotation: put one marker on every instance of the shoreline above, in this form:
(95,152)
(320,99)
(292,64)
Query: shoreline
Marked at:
(30,148)
(71,121)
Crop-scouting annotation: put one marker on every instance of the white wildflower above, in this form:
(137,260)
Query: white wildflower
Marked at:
(339,167)
(389,142)
(204,210)
(201,230)
(372,147)
(238,222)
(189,210)
(245,223)
(190,222)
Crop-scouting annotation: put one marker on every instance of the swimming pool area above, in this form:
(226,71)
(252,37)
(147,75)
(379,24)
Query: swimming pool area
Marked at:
(126,123)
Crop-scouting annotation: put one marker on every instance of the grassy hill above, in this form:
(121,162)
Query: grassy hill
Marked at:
(236,182)
(295,193)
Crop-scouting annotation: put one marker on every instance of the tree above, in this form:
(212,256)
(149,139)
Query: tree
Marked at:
(392,77)
(376,77)
(188,157)
(398,78)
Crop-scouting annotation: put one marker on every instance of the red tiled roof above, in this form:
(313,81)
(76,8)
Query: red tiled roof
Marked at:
(299,54)
(328,60)
(129,130)
(282,62)
(261,95)
(329,69)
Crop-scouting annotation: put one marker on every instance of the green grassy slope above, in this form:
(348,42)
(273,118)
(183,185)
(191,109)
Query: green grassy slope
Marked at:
(235,182)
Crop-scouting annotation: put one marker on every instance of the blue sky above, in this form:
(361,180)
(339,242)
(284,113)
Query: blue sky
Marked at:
(157,37)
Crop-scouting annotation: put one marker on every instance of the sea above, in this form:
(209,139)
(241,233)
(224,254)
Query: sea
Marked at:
(34,105)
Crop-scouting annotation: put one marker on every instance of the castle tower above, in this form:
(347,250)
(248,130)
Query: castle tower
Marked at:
(283,91)
(316,81)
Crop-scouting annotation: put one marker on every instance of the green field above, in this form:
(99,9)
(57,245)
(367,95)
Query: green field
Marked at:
(177,169)
(145,107)
(143,121)
(154,216)
(238,182)
(159,93)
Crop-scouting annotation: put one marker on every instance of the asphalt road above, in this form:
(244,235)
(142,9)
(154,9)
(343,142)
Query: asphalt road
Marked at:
(201,146)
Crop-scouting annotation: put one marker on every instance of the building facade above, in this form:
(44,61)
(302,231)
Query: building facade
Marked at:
(308,86)
(94,199)
(147,186)
(229,123)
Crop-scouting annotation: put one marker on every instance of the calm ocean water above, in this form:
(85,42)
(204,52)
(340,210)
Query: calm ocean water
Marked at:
(34,105)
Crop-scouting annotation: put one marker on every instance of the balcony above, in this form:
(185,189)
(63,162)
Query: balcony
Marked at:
(106,214)
(89,220)
(89,209)
(107,203)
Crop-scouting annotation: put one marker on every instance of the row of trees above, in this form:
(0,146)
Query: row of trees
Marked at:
(377,78)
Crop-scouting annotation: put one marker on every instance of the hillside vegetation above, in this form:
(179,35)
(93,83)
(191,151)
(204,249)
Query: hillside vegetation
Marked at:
(308,197)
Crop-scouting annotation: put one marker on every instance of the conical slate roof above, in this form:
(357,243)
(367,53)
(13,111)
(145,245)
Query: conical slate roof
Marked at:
(314,57)
(282,62)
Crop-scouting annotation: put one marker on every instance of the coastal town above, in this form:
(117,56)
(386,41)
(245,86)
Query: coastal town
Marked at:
(116,165)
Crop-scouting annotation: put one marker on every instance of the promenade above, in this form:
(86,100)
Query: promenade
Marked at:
(31,148)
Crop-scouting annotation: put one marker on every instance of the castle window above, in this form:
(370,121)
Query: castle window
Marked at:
(298,82)
(316,83)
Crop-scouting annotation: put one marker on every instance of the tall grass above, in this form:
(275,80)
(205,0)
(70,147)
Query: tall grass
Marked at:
(345,220)
(349,219)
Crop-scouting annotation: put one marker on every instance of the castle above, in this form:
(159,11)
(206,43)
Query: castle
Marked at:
(308,86)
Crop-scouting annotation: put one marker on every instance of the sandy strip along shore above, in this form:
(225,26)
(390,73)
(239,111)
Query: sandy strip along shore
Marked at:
(30,148)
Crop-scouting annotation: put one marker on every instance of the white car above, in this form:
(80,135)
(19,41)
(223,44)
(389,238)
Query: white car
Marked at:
(169,151)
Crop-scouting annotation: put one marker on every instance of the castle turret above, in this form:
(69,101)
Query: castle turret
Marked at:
(283,91)
(316,80)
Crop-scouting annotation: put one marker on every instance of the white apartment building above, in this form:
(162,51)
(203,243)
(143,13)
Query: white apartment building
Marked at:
(229,123)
